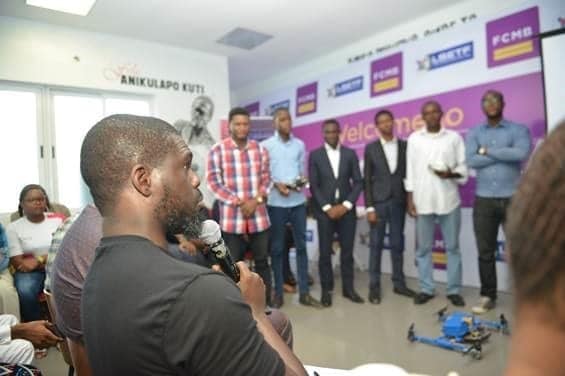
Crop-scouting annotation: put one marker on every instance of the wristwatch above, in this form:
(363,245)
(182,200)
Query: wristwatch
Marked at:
(260,199)
(482,150)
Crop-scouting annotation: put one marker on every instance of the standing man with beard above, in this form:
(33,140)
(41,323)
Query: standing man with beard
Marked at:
(496,151)
(238,174)
(144,312)
(435,167)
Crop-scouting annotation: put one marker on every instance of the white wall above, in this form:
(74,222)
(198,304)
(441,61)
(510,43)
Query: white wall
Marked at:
(41,53)
(44,54)
(311,70)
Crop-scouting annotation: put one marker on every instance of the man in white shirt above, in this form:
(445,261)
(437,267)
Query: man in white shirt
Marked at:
(17,340)
(435,167)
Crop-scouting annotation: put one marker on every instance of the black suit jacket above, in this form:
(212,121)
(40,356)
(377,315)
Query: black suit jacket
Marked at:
(380,184)
(323,183)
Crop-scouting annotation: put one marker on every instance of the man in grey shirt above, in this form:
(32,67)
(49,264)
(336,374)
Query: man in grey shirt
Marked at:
(143,311)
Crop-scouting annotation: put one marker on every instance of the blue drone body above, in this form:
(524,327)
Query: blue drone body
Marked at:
(462,332)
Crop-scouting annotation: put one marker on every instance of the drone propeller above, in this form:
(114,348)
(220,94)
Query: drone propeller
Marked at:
(441,313)
(504,324)
(411,333)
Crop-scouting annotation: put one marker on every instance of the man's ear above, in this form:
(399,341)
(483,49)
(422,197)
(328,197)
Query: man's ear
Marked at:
(141,179)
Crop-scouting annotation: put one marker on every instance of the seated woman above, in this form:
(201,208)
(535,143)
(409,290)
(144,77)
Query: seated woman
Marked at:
(29,239)
(9,303)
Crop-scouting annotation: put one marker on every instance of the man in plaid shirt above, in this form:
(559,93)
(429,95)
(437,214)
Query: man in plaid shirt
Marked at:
(238,175)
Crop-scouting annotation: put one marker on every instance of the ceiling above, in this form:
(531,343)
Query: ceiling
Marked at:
(301,30)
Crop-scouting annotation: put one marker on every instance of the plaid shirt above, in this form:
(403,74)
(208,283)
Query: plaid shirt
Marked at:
(234,175)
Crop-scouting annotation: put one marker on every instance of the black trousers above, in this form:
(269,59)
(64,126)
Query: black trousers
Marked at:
(488,215)
(345,229)
(258,244)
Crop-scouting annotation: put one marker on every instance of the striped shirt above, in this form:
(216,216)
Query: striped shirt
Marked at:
(235,175)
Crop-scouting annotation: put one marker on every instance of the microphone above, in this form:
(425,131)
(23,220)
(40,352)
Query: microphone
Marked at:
(212,236)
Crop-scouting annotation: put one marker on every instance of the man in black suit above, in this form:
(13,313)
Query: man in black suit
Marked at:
(385,200)
(335,183)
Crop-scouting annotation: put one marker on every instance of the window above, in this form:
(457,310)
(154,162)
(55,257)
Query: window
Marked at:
(41,143)
(74,114)
(19,148)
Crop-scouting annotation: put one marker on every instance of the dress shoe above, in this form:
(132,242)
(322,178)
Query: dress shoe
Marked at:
(308,300)
(353,296)
(375,297)
(404,291)
(422,298)
(456,300)
(326,298)
(277,302)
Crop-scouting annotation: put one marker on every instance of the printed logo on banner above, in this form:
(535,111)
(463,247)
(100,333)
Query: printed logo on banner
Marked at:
(272,108)
(386,75)
(346,87)
(439,256)
(253,109)
(446,57)
(307,99)
(511,38)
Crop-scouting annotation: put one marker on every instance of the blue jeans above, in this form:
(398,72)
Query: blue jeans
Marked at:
(393,212)
(279,217)
(29,285)
(450,225)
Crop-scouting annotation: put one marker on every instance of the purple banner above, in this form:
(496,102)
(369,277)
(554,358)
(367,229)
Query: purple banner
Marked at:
(307,99)
(386,75)
(523,96)
(253,109)
(511,38)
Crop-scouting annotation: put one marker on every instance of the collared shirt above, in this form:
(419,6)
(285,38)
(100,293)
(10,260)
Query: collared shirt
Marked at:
(441,150)
(58,236)
(391,153)
(507,146)
(334,155)
(234,175)
(286,160)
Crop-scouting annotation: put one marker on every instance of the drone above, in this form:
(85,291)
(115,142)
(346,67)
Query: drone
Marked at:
(462,332)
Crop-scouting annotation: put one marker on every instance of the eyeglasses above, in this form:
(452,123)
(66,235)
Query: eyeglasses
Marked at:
(36,199)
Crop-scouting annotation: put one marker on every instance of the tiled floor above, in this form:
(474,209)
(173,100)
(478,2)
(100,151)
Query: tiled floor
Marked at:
(348,334)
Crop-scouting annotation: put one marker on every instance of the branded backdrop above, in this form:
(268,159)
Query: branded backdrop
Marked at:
(455,68)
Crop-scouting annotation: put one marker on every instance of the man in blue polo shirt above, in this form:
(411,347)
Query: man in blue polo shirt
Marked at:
(286,204)
(496,150)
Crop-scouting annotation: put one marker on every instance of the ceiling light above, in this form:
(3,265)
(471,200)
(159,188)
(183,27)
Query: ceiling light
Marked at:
(79,7)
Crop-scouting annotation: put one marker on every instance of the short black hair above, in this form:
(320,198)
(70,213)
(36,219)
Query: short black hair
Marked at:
(430,102)
(495,93)
(383,112)
(114,145)
(534,227)
(330,121)
(237,111)
(277,111)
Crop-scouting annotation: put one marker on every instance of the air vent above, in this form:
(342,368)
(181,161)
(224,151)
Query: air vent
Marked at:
(244,38)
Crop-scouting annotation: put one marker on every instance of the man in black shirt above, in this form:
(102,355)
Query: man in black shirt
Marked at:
(143,311)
